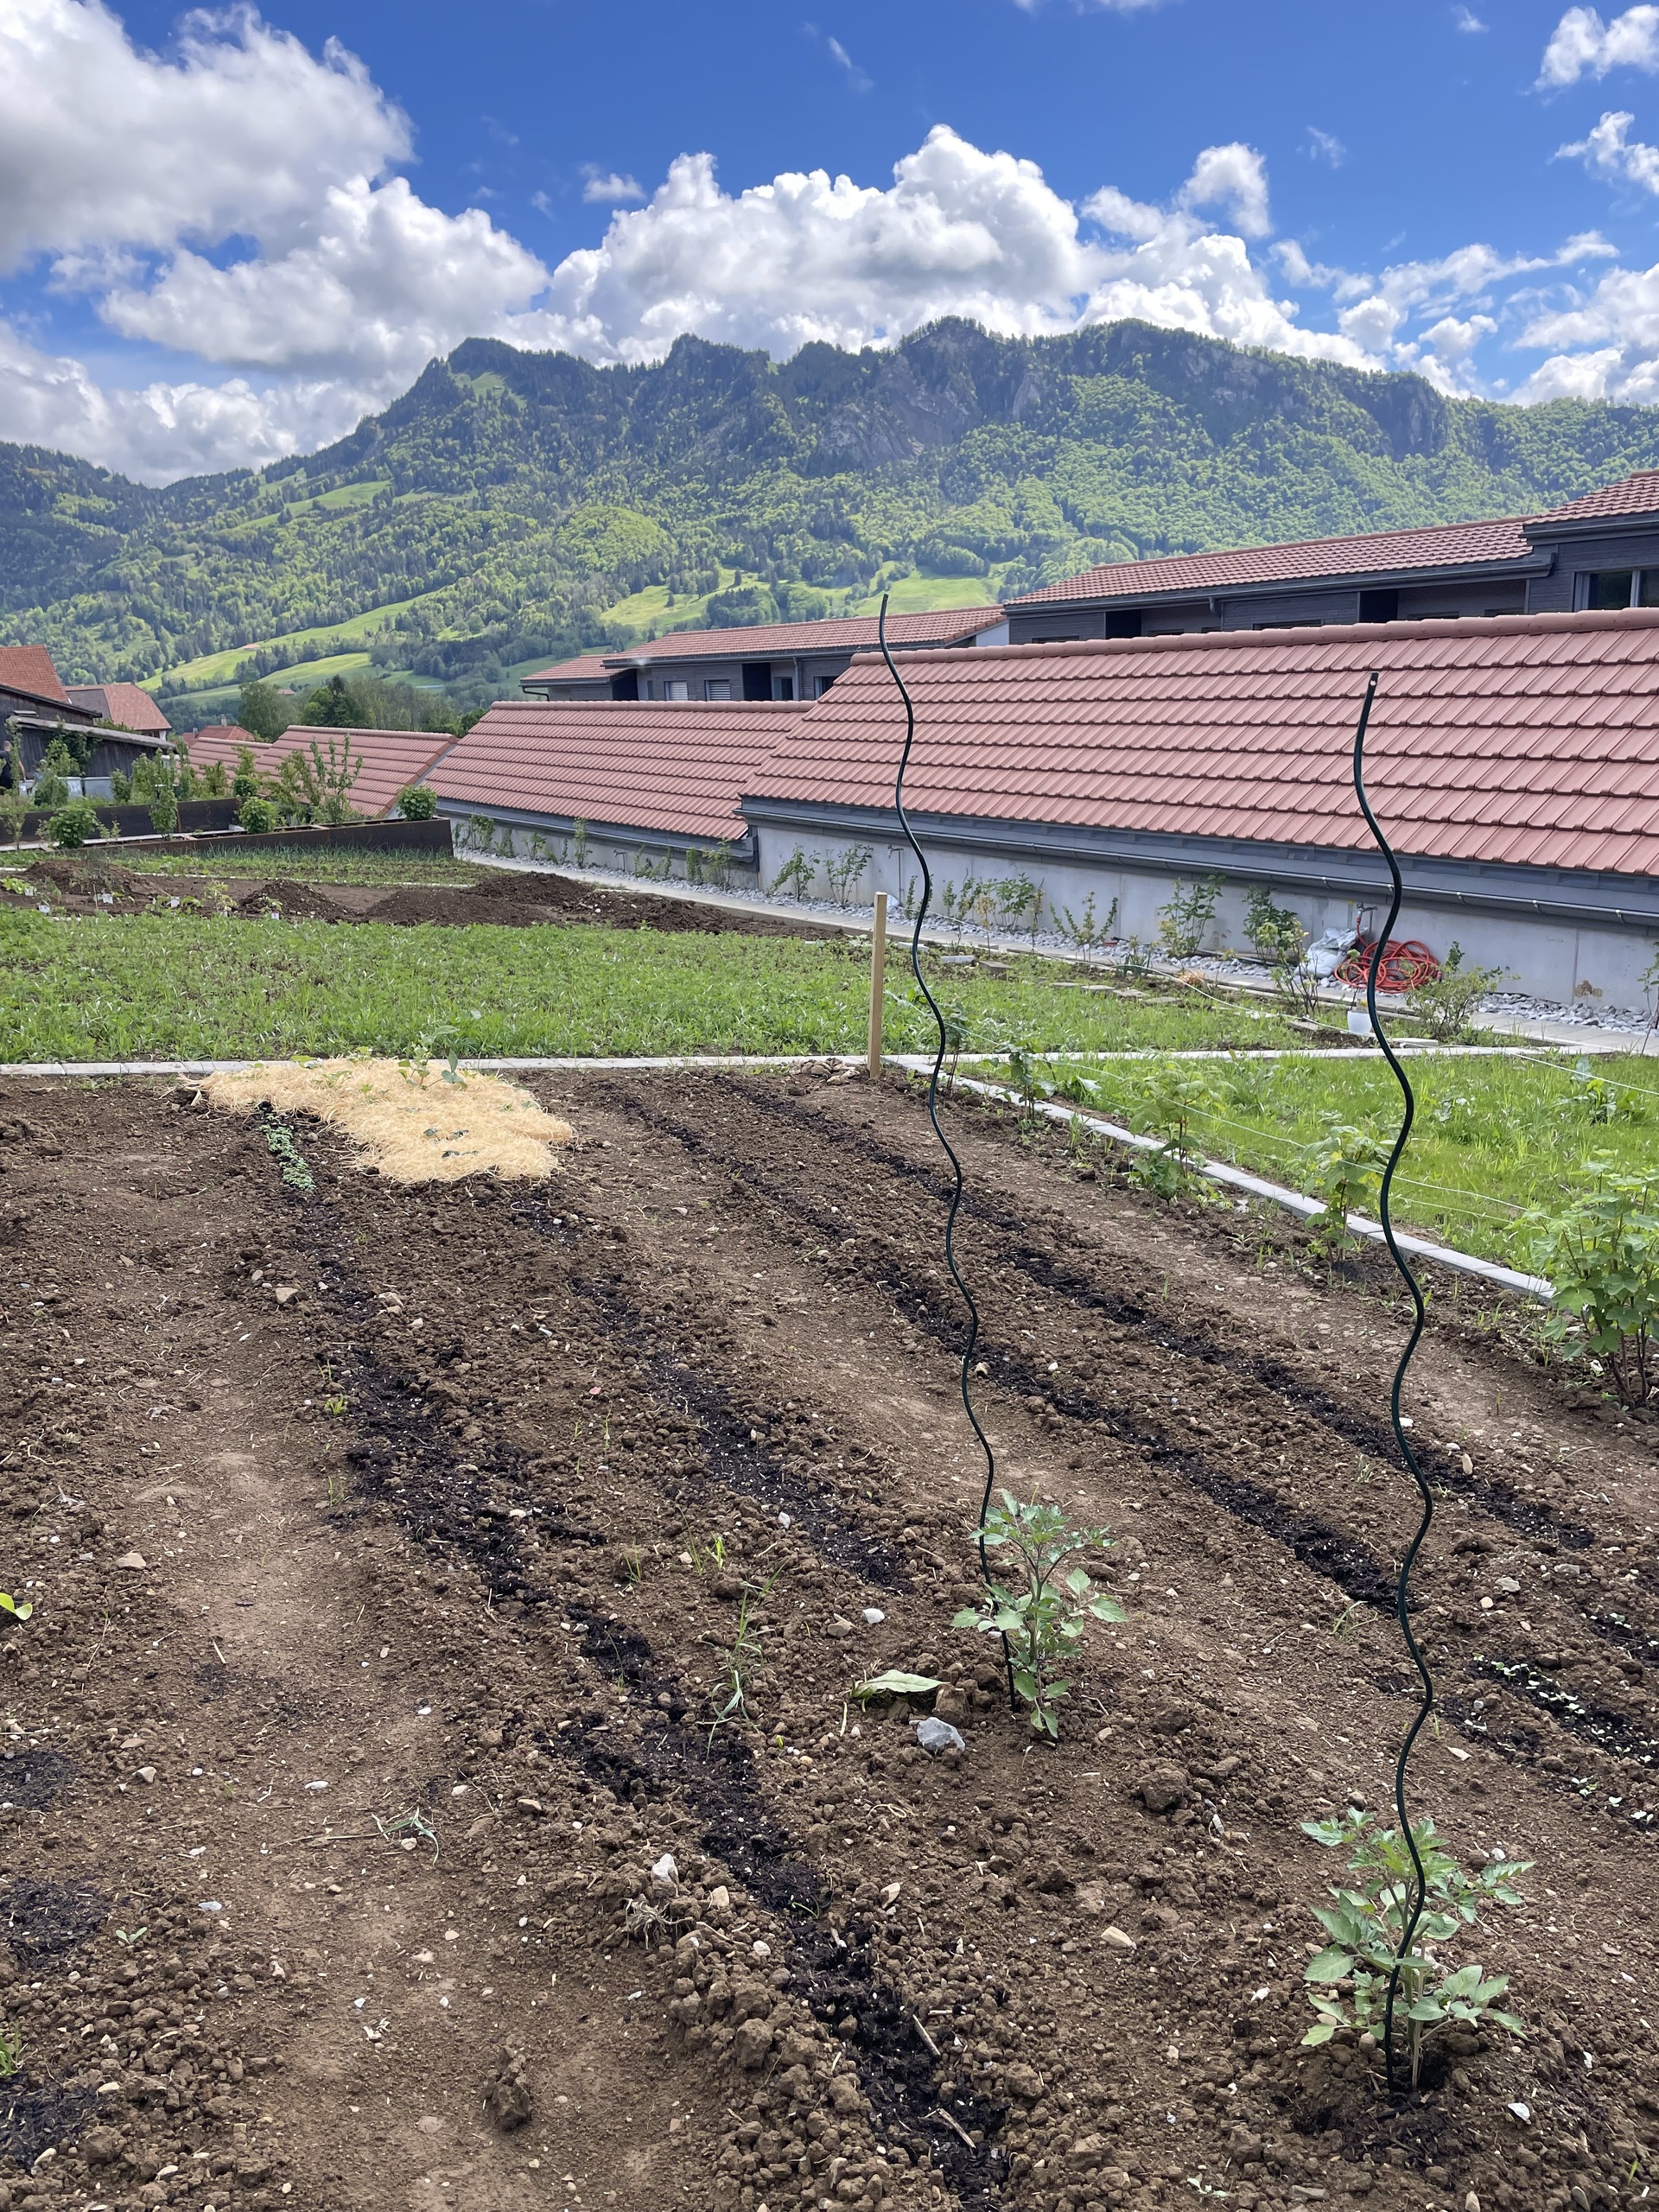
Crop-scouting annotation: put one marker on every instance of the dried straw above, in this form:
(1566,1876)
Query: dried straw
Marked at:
(416,1122)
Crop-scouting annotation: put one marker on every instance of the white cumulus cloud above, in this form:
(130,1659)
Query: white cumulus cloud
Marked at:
(238,133)
(609,187)
(1581,45)
(249,213)
(1610,151)
(161,430)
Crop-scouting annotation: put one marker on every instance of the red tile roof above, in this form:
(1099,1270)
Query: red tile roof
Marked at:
(837,634)
(643,764)
(127,704)
(391,758)
(582,668)
(1531,739)
(1632,495)
(1446,545)
(28,669)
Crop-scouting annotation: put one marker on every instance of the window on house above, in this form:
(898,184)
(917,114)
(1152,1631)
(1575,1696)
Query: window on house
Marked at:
(675,687)
(1613,587)
(818,685)
(716,687)
(785,687)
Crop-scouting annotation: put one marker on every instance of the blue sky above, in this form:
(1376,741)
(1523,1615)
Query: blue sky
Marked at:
(223,239)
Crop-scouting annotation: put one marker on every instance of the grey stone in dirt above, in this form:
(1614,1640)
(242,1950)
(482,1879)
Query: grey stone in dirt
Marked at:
(1164,1788)
(752,2044)
(935,1735)
(507,2100)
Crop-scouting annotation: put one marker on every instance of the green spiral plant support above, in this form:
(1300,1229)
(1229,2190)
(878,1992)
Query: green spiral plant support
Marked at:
(968,1348)
(1385,1210)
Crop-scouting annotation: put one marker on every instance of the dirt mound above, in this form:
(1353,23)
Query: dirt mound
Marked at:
(77,875)
(581,902)
(451,909)
(294,902)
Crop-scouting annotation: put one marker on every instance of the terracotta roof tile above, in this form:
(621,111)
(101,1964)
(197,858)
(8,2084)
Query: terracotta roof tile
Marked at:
(580,668)
(1527,739)
(28,669)
(836,634)
(128,704)
(1632,495)
(642,764)
(1443,545)
(389,757)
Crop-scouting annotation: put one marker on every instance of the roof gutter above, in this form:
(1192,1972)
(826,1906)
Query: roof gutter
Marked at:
(1577,896)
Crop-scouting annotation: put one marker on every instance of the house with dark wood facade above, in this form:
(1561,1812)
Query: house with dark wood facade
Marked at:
(1593,554)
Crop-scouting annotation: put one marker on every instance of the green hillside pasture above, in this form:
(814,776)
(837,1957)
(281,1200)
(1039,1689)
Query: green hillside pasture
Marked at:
(174,986)
(1492,1138)
(311,648)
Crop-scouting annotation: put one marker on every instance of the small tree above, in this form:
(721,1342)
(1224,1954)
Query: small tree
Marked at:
(1601,1253)
(214,783)
(256,816)
(1038,1611)
(416,804)
(164,803)
(1281,943)
(1184,917)
(75,825)
(316,784)
(331,706)
(246,782)
(264,713)
(1445,1004)
(13,799)
(796,872)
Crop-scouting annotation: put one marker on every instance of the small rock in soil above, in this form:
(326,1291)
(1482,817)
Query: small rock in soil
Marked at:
(1164,1788)
(508,2099)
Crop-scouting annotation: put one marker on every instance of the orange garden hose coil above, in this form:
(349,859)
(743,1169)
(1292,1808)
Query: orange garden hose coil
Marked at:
(1400,965)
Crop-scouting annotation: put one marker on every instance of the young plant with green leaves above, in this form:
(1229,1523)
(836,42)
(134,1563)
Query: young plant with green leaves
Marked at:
(1344,1166)
(1171,1097)
(1601,1252)
(1184,920)
(741,1665)
(795,876)
(1034,1602)
(1348,1980)
(1447,1004)
(19,1608)
(1281,943)
(1084,931)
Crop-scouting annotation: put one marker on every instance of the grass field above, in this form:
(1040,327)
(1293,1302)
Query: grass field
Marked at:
(1492,1137)
(326,646)
(139,987)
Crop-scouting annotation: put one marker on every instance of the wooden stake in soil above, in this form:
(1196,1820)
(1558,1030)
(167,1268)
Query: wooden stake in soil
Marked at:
(878,984)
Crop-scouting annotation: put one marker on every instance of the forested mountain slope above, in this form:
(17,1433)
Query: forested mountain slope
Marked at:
(507,503)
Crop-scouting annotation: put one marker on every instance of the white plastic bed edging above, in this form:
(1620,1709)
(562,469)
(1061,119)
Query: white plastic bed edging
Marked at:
(21,1068)
(1235,1177)
(1294,1201)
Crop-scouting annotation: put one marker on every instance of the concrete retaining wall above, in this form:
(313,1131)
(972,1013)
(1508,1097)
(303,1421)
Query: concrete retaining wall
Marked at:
(1550,956)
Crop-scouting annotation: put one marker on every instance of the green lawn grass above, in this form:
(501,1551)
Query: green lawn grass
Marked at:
(177,986)
(1492,1137)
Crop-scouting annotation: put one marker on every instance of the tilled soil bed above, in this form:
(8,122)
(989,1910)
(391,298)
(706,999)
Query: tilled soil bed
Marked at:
(366,1839)
(92,881)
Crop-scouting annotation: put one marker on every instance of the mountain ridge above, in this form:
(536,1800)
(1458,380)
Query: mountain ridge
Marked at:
(508,501)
